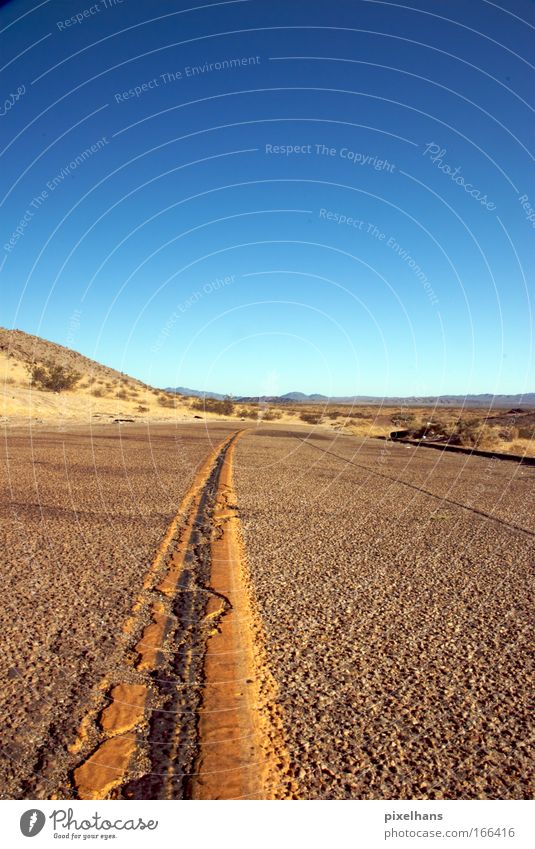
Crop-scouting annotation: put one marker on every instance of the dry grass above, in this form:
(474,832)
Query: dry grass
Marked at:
(522,447)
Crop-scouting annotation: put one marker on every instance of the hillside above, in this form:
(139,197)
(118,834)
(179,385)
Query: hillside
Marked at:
(99,394)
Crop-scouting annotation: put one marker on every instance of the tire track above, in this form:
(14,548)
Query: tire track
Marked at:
(241,746)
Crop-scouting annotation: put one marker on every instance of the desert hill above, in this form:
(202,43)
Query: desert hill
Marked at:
(98,393)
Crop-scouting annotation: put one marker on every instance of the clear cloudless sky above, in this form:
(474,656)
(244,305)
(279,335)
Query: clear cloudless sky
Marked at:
(257,197)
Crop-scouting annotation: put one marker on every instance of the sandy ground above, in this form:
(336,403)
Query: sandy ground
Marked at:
(398,622)
(82,515)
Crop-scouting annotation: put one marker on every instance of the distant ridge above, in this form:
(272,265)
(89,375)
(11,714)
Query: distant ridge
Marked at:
(194,393)
(485,400)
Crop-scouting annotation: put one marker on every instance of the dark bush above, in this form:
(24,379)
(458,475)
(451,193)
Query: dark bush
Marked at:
(271,415)
(166,401)
(224,407)
(310,418)
(402,419)
(249,414)
(53,377)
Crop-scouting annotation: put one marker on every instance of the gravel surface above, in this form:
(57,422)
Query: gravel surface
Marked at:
(398,622)
(82,514)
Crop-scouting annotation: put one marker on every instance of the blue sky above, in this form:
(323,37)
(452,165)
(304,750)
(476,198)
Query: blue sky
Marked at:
(259,197)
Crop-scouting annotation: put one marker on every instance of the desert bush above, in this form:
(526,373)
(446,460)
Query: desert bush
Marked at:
(487,437)
(526,431)
(402,419)
(271,415)
(97,393)
(475,434)
(53,377)
(508,433)
(433,430)
(224,407)
(310,418)
(142,409)
(122,395)
(249,414)
(166,401)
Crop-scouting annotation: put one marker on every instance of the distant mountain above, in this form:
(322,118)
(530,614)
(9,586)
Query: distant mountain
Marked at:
(300,397)
(484,400)
(194,393)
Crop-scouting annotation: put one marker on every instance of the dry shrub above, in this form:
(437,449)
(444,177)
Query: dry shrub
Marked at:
(271,415)
(53,377)
(522,447)
(508,433)
(212,405)
(97,393)
(249,414)
(366,428)
(166,401)
(403,420)
(142,409)
(310,418)
(476,435)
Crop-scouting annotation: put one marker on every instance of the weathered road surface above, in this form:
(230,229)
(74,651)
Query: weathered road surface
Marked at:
(83,514)
(151,667)
(395,587)
(194,613)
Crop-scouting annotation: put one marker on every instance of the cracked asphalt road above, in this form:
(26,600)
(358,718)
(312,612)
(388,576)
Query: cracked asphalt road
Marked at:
(83,512)
(394,585)
(398,622)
